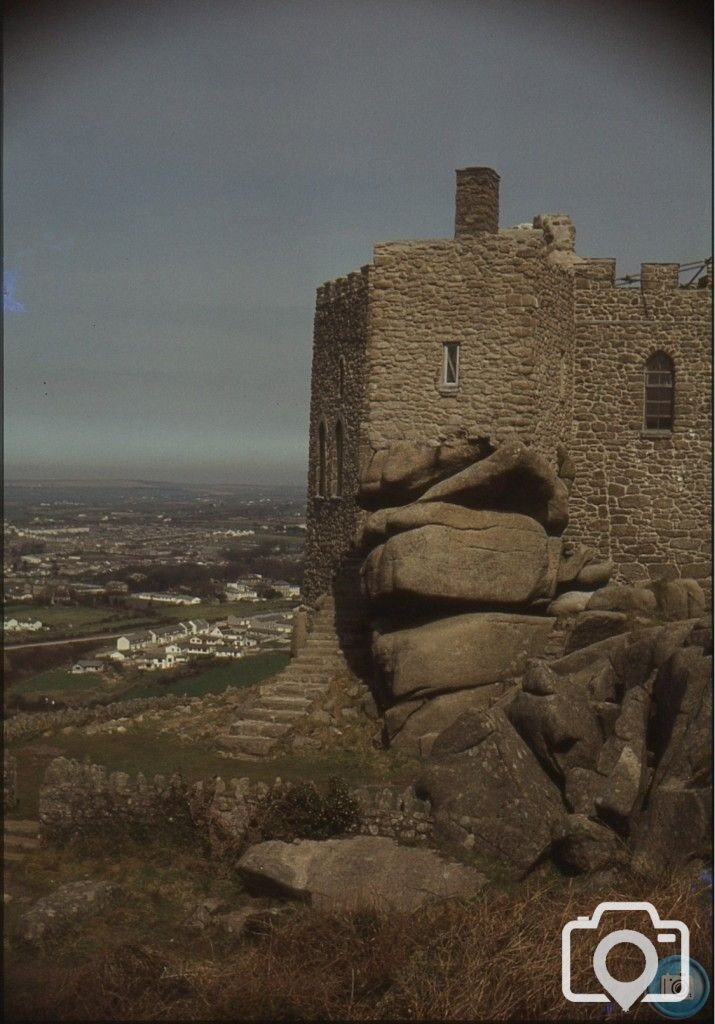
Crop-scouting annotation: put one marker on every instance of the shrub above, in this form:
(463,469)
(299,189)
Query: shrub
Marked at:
(302,813)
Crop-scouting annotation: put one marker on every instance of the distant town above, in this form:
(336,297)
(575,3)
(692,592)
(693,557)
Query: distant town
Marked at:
(162,578)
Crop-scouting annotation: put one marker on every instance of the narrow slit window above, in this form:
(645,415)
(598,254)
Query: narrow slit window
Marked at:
(322,461)
(450,364)
(659,392)
(341,377)
(338,459)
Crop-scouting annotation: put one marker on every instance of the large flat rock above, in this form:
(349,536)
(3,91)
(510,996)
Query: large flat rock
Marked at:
(388,521)
(357,871)
(514,478)
(459,652)
(501,563)
(400,473)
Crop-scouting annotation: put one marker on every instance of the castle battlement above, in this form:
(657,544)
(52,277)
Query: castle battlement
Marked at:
(663,278)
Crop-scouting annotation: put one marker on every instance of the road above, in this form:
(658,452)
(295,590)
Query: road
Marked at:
(59,643)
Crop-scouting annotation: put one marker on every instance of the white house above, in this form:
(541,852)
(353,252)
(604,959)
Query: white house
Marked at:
(156,660)
(86,665)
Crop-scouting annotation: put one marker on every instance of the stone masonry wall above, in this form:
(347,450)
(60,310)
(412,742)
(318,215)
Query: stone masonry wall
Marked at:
(642,500)
(340,337)
(550,350)
(509,309)
(84,799)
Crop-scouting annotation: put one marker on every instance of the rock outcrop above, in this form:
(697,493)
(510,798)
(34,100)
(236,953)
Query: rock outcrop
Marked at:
(463,555)
(489,794)
(598,759)
(64,906)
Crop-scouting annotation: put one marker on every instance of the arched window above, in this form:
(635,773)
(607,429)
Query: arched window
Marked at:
(338,459)
(659,392)
(322,461)
(341,377)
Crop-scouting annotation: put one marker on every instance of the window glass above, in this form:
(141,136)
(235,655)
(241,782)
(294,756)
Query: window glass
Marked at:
(659,392)
(450,364)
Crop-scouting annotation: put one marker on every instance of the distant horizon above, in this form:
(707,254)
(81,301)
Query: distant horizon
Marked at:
(86,481)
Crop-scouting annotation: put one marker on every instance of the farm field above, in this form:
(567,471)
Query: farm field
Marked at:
(73,619)
(246,672)
(78,620)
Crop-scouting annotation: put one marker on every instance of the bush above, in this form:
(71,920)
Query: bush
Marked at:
(302,813)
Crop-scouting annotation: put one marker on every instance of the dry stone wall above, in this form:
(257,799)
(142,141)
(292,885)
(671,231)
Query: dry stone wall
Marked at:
(9,781)
(643,500)
(85,799)
(26,725)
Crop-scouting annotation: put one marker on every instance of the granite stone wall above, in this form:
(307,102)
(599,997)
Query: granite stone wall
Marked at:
(25,725)
(550,349)
(641,498)
(508,309)
(337,396)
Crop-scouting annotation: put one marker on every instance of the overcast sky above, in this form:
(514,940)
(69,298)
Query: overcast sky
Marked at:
(180,175)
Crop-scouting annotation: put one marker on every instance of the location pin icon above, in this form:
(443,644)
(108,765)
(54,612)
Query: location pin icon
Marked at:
(625,993)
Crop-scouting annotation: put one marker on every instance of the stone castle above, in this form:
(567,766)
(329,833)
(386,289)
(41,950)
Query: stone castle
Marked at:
(507,331)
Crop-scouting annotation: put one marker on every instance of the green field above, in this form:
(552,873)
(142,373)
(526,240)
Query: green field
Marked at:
(74,620)
(211,612)
(245,672)
(58,681)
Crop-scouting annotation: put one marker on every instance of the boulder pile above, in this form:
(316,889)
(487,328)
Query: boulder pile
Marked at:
(595,756)
(464,556)
(598,759)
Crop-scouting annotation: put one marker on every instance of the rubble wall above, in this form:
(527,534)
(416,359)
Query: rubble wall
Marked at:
(507,307)
(337,395)
(642,499)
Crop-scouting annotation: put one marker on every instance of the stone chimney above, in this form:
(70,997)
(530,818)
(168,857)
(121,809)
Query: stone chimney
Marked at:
(477,202)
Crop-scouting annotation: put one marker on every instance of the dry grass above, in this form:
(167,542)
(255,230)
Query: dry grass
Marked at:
(496,957)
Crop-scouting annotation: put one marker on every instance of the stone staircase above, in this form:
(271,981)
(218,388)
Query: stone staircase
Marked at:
(19,839)
(335,644)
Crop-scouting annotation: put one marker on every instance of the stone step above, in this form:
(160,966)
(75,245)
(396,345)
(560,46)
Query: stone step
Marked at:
(303,673)
(256,727)
(20,826)
(276,715)
(253,746)
(298,689)
(279,703)
(17,842)
(307,657)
